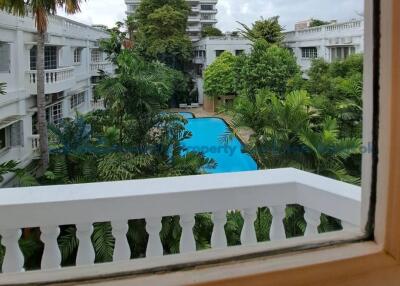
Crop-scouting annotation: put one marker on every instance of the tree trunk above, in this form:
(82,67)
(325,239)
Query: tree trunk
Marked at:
(41,105)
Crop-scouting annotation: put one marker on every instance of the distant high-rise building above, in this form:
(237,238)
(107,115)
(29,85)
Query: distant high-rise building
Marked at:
(203,14)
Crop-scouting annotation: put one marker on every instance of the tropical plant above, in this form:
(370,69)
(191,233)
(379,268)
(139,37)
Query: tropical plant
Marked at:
(161,32)
(267,67)
(264,29)
(211,31)
(318,22)
(40,10)
(7,167)
(219,77)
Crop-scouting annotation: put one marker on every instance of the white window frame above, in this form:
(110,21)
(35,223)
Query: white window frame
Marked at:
(309,52)
(5,50)
(77,56)
(77,99)
(96,56)
(51,116)
(7,139)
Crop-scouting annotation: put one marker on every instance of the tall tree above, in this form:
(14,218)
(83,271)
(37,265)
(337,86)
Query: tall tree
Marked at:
(40,9)
(318,22)
(161,32)
(267,29)
(219,77)
(267,67)
(211,32)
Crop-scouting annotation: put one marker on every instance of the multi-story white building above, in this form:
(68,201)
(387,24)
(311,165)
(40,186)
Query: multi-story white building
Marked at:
(330,42)
(72,62)
(208,49)
(203,14)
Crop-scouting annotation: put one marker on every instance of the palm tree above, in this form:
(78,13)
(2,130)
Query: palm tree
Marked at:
(40,11)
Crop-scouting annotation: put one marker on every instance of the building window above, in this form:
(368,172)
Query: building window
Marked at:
(96,56)
(54,113)
(207,17)
(341,53)
(3,138)
(50,58)
(239,52)
(77,99)
(219,52)
(199,54)
(207,7)
(199,70)
(77,56)
(4,57)
(309,53)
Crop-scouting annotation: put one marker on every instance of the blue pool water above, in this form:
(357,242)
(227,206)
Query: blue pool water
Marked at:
(187,115)
(206,137)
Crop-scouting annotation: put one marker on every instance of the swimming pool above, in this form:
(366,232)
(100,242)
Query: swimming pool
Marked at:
(206,137)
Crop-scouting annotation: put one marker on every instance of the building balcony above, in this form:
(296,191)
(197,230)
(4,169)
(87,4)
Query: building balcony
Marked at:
(213,21)
(35,139)
(196,28)
(194,18)
(49,207)
(56,80)
(97,104)
(104,66)
(339,30)
(199,60)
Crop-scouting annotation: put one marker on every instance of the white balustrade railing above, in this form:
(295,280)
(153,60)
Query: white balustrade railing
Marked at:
(326,30)
(35,139)
(51,76)
(49,207)
(104,66)
(98,104)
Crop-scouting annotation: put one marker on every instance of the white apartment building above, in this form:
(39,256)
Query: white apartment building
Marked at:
(208,49)
(330,42)
(72,62)
(203,14)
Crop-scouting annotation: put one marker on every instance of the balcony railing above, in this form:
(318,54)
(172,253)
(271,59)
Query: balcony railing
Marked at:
(35,145)
(104,66)
(340,29)
(56,80)
(97,104)
(49,207)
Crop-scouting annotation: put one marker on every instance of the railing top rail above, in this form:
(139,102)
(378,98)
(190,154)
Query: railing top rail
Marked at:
(53,70)
(69,204)
(316,29)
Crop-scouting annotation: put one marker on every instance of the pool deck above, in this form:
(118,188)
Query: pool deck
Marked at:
(243,133)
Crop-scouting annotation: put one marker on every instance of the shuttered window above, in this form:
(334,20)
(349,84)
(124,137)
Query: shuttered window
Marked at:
(4,57)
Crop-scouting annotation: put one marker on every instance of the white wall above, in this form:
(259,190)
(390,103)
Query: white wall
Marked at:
(20,98)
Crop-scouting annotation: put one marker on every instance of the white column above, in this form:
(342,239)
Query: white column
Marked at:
(218,237)
(86,254)
(13,258)
(187,242)
(122,250)
(277,231)
(154,245)
(248,235)
(313,219)
(51,258)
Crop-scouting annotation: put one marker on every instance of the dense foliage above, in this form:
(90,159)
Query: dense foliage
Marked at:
(267,67)
(219,77)
(317,23)
(210,31)
(264,29)
(161,31)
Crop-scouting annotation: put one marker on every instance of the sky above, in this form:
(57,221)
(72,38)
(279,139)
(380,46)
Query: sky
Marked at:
(107,12)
